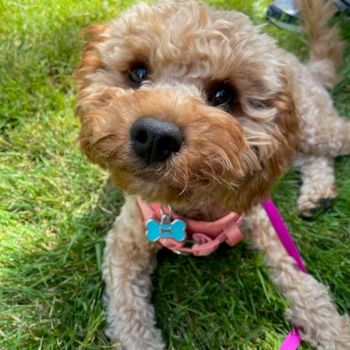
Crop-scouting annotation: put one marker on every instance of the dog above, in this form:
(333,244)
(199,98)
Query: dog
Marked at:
(197,109)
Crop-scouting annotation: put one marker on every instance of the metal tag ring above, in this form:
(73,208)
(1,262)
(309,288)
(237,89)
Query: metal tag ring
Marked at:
(170,212)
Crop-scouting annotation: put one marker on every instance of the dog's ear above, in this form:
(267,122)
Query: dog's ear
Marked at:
(91,59)
(90,100)
(88,73)
(274,157)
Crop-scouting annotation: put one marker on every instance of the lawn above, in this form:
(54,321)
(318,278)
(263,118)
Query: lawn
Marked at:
(55,208)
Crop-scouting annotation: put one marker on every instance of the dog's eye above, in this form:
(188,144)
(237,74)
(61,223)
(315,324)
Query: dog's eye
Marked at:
(138,74)
(223,96)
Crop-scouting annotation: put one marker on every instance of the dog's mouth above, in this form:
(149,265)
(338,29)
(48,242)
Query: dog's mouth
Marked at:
(145,174)
(154,184)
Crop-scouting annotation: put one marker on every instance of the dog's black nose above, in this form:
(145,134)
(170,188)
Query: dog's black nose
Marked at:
(155,140)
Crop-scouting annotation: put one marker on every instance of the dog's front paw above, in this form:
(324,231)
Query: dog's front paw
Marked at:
(139,344)
(136,338)
(308,208)
(316,200)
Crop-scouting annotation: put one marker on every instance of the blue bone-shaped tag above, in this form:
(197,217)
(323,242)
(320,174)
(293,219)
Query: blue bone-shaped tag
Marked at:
(175,230)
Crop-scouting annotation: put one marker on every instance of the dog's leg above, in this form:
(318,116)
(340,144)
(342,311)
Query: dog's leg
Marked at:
(318,188)
(327,136)
(312,310)
(129,260)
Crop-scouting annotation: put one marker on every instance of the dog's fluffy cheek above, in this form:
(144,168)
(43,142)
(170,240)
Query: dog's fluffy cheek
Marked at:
(286,139)
(103,138)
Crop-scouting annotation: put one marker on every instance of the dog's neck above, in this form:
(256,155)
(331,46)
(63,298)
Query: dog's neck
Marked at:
(210,210)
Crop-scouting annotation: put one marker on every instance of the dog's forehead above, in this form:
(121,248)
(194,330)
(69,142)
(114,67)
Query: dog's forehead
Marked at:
(188,39)
(184,15)
(182,25)
(187,32)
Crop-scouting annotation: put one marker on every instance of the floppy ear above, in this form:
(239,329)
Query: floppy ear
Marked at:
(91,59)
(91,99)
(277,154)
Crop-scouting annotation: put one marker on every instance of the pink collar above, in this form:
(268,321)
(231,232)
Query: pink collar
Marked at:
(203,237)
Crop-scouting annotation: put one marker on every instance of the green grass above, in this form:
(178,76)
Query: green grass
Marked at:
(55,209)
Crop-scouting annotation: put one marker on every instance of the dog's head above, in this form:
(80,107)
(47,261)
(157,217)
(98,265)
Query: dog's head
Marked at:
(182,103)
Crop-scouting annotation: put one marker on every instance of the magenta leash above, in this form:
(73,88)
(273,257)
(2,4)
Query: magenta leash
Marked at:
(293,339)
